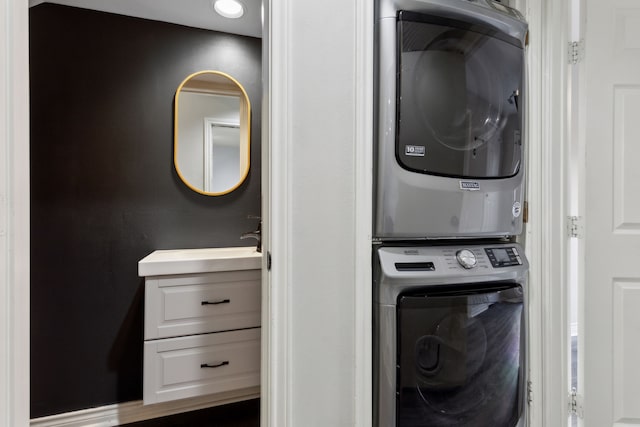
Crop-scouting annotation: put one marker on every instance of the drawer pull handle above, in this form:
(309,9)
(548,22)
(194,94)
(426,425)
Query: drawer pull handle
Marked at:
(222,301)
(206,365)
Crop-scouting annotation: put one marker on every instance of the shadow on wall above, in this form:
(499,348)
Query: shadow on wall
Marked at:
(127,368)
(104,192)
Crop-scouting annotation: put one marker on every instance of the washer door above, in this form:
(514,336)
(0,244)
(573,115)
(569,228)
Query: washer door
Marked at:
(461,358)
(459,98)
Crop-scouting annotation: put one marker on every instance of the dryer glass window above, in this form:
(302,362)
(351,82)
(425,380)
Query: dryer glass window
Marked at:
(460,358)
(460,98)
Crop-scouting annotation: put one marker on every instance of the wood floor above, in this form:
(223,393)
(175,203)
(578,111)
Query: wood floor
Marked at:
(241,414)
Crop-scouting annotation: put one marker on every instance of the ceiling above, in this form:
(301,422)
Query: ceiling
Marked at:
(191,13)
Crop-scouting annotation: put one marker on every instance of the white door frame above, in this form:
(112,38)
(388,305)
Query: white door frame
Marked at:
(546,236)
(14,213)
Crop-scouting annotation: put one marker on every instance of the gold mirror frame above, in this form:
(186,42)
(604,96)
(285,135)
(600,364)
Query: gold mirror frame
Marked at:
(215,83)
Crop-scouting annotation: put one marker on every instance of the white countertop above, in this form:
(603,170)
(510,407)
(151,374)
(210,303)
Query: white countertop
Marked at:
(187,261)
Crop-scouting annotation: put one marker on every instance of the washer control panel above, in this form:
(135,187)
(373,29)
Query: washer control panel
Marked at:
(503,257)
(398,268)
(464,258)
(444,261)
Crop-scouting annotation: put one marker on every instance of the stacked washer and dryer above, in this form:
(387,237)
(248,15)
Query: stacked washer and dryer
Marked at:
(450,306)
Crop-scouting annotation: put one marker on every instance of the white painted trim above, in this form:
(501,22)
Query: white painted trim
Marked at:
(574,329)
(546,238)
(533,12)
(363,299)
(130,412)
(277,343)
(555,205)
(14,213)
(266,346)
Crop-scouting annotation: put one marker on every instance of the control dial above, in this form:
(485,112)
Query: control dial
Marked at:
(466,258)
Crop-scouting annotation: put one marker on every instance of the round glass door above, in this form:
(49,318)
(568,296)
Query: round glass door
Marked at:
(460,98)
(460,358)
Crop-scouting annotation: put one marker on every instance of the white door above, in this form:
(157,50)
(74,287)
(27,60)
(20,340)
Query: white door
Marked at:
(611,112)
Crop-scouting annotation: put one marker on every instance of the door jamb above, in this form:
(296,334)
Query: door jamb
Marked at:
(14,213)
(546,238)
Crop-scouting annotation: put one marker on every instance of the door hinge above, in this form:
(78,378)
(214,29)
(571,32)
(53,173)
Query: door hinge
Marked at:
(576,52)
(575,403)
(575,227)
(529,393)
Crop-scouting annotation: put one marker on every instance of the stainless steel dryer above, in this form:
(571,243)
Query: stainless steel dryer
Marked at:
(450,336)
(449,120)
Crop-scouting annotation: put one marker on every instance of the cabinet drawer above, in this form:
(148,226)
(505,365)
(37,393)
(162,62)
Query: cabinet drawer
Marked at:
(194,304)
(177,368)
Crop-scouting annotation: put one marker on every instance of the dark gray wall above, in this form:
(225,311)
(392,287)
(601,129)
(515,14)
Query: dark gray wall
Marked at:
(104,192)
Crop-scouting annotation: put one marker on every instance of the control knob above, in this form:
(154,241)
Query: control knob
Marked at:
(466,258)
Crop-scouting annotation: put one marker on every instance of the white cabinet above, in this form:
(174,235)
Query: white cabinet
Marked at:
(195,365)
(202,324)
(199,303)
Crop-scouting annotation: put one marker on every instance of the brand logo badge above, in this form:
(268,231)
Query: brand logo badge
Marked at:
(470,185)
(516,210)
(414,150)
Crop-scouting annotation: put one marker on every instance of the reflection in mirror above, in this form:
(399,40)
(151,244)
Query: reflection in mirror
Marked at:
(212,144)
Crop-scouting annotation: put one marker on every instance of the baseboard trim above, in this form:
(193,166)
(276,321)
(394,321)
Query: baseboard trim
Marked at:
(130,412)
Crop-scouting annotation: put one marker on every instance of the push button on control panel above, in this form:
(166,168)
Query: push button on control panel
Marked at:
(503,257)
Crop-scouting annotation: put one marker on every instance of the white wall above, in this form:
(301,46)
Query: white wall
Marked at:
(320,215)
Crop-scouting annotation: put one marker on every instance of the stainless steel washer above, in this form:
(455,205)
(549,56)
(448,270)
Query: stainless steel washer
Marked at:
(450,336)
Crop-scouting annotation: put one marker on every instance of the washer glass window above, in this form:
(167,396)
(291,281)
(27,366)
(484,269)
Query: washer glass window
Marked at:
(460,358)
(460,98)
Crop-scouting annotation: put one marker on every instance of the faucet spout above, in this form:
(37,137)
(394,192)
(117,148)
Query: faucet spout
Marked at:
(250,235)
(257,234)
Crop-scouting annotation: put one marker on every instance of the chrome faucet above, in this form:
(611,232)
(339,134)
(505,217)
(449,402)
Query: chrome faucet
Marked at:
(257,234)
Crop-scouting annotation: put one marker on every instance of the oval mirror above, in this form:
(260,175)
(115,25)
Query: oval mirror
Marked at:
(212,133)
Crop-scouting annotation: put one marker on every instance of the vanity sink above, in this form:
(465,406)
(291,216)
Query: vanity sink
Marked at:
(186,261)
(202,324)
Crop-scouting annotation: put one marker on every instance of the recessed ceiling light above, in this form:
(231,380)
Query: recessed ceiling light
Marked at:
(229,8)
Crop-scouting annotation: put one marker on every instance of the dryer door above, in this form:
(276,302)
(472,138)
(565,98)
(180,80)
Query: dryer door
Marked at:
(459,98)
(460,358)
